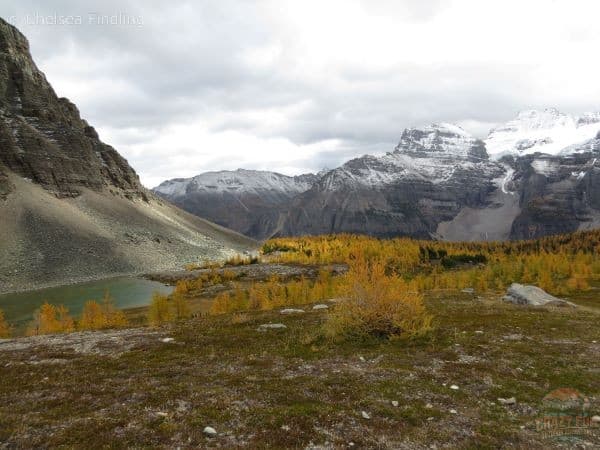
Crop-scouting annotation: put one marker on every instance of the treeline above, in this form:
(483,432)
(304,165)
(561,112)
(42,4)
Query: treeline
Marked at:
(558,264)
(53,319)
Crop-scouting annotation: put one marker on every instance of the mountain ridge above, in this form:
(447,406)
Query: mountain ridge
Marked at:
(437,180)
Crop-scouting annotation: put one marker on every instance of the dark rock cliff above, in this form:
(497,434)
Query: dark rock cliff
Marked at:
(43,138)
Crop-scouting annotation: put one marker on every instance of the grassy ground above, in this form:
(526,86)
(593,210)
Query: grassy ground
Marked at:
(290,389)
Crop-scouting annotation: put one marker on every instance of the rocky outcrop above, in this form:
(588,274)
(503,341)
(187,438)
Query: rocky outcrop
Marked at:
(558,194)
(43,137)
(520,294)
(71,208)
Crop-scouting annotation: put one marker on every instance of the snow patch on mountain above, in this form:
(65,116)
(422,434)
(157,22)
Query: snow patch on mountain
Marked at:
(548,131)
(545,167)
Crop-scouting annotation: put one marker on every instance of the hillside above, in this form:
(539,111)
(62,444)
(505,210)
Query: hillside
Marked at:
(71,207)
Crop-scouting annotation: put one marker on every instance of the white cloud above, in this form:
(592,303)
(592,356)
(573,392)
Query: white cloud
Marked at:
(291,86)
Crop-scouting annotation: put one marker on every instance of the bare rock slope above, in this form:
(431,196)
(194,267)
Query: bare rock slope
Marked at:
(71,207)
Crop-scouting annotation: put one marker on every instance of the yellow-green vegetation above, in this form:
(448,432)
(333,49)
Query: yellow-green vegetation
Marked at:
(97,316)
(377,305)
(4,326)
(557,264)
(273,293)
(164,309)
(50,319)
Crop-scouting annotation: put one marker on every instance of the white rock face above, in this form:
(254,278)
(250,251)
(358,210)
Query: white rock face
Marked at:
(548,131)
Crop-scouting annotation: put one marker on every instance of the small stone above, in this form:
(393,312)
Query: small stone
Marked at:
(285,427)
(429,419)
(351,444)
(454,387)
(162,414)
(478,332)
(320,306)
(507,401)
(362,358)
(428,406)
(596,419)
(271,326)
(453,411)
(468,290)
(167,340)
(395,403)
(291,311)
(365,415)
(209,431)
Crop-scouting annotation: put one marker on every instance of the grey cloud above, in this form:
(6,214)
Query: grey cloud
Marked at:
(189,61)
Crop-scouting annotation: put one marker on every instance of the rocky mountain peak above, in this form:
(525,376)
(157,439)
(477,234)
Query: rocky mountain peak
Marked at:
(43,137)
(440,140)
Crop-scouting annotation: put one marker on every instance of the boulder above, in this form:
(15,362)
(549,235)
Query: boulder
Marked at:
(291,311)
(521,294)
(271,326)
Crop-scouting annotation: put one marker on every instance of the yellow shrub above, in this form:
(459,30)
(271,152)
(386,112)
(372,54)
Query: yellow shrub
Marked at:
(159,311)
(92,317)
(51,319)
(377,305)
(181,307)
(97,317)
(221,304)
(4,327)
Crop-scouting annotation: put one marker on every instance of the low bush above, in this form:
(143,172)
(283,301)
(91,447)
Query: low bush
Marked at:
(376,305)
(4,327)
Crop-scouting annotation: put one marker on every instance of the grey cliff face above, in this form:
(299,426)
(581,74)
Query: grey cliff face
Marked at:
(43,138)
(558,194)
(71,208)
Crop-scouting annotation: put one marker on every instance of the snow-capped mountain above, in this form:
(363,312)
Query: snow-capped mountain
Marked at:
(432,173)
(438,182)
(240,180)
(433,154)
(548,131)
(249,201)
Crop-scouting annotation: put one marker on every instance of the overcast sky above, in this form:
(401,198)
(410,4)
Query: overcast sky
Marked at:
(182,87)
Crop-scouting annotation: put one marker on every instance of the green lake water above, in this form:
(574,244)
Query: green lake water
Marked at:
(127,292)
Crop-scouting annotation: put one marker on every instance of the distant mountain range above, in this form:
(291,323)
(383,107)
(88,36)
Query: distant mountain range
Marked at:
(536,175)
(71,207)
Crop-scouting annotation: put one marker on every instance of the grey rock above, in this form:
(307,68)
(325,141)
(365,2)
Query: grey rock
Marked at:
(209,431)
(468,290)
(507,401)
(291,311)
(320,307)
(520,294)
(365,415)
(272,326)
